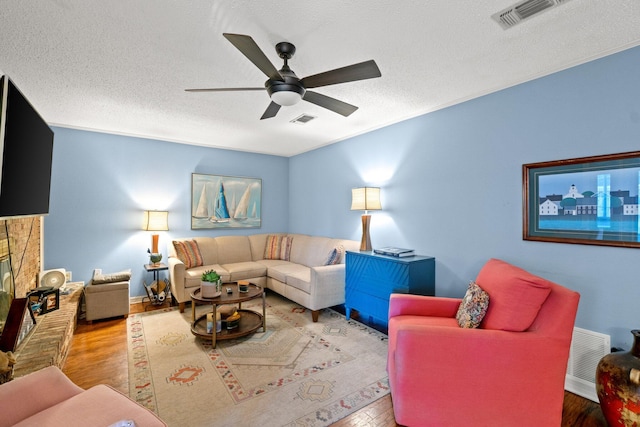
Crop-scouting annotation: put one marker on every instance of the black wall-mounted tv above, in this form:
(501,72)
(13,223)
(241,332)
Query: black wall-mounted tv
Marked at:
(26,153)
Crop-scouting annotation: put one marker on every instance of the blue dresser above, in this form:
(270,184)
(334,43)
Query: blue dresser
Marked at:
(371,279)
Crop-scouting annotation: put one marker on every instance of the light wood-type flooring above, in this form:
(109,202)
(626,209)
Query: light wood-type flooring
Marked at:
(98,355)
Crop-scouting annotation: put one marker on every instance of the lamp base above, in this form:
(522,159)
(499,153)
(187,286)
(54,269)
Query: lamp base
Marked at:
(365,243)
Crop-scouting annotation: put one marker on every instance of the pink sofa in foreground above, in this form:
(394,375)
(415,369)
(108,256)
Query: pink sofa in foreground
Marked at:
(510,371)
(48,398)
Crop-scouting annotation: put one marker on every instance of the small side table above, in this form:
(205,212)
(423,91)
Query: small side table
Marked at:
(154,297)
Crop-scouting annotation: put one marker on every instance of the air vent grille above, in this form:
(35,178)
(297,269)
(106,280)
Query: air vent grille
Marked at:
(587,348)
(531,7)
(303,119)
(523,10)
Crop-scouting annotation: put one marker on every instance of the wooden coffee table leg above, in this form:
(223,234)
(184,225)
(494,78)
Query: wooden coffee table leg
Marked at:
(193,310)
(215,327)
(264,311)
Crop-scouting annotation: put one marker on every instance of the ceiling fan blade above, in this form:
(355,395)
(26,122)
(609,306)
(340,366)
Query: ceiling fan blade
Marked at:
(271,111)
(224,89)
(362,71)
(250,49)
(329,103)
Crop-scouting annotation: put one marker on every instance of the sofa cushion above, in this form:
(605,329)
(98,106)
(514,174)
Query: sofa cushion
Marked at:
(268,263)
(233,249)
(193,276)
(473,306)
(244,270)
(208,249)
(311,251)
(281,271)
(300,279)
(188,252)
(516,295)
(257,242)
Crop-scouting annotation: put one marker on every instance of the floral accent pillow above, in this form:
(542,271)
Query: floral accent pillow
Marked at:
(473,307)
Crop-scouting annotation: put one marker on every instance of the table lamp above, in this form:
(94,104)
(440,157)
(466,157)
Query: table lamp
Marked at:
(155,221)
(366,199)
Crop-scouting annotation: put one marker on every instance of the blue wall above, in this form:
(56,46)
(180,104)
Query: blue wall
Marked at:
(452,184)
(101,184)
(451,188)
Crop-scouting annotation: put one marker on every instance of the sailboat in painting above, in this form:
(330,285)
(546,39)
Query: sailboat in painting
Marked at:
(241,210)
(220,211)
(202,210)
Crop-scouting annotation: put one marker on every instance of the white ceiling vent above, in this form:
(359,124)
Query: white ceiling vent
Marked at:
(517,13)
(303,119)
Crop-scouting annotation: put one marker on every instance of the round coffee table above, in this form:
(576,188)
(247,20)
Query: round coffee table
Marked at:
(250,321)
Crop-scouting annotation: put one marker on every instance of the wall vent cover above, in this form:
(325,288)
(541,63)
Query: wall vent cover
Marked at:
(587,348)
(303,119)
(523,10)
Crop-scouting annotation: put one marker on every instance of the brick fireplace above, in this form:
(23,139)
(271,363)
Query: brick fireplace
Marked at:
(49,342)
(22,236)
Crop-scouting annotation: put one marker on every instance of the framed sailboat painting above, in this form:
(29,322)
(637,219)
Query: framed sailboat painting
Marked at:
(219,201)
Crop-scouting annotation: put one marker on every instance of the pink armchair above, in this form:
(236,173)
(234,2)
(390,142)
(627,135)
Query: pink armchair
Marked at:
(508,372)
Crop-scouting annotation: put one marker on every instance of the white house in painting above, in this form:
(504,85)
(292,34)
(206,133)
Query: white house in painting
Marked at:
(630,206)
(549,207)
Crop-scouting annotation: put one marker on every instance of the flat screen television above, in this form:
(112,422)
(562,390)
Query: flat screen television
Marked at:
(26,153)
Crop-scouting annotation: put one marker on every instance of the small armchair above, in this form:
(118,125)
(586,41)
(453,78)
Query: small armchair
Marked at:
(107,295)
(509,371)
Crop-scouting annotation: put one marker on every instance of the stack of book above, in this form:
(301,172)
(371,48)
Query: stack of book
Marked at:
(396,252)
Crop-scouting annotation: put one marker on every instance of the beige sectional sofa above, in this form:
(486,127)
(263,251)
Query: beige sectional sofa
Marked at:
(297,269)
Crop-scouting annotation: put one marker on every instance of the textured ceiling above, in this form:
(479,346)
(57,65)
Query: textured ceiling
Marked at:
(122,66)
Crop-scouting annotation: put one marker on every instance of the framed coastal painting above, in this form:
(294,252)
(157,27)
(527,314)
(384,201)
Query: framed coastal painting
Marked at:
(219,201)
(588,200)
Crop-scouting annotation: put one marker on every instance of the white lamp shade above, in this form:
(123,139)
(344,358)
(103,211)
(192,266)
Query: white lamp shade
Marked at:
(286,98)
(156,221)
(365,199)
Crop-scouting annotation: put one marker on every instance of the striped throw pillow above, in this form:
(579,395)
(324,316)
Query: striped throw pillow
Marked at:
(188,252)
(272,248)
(285,247)
(335,256)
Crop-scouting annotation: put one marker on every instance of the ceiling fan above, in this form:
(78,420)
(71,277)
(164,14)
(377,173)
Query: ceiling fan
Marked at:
(285,88)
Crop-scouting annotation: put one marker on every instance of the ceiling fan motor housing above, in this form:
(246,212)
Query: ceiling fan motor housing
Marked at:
(287,92)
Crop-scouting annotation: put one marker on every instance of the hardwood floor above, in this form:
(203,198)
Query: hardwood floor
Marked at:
(98,355)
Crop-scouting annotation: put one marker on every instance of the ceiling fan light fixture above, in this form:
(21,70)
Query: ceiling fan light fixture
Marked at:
(286,98)
(286,95)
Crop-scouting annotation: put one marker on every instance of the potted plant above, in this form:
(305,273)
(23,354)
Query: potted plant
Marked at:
(210,284)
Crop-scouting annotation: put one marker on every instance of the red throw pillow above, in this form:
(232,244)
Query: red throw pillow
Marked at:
(516,296)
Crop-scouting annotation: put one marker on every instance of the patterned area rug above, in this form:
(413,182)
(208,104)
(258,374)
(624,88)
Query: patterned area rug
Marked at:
(297,373)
